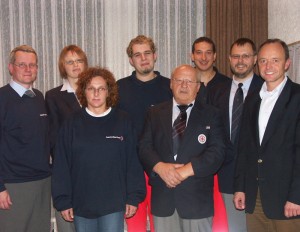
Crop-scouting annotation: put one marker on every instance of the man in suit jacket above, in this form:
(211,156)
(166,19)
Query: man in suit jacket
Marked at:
(182,180)
(242,61)
(267,178)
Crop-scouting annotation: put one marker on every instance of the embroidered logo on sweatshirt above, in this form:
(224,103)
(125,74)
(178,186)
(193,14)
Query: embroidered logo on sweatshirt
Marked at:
(43,115)
(115,137)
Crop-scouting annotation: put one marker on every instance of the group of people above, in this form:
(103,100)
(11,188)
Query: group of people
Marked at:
(147,147)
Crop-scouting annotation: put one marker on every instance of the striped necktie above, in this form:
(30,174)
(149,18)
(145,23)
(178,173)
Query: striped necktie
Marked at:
(237,110)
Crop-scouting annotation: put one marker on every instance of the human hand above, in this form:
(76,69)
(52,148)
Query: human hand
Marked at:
(291,209)
(68,215)
(239,199)
(5,201)
(130,211)
(168,173)
(186,171)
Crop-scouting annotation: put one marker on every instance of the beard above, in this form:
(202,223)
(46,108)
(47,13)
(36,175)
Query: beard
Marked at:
(147,70)
(241,75)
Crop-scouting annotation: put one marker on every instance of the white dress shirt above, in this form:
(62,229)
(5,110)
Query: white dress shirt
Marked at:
(268,101)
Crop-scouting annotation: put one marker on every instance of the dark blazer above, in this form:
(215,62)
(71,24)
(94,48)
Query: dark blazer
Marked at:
(274,165)
(60,105)
(193,198)
(220,99)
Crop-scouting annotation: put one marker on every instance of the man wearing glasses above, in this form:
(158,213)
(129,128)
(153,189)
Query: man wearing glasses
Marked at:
(24,149)
(181,148)
(229,98)
(139,91)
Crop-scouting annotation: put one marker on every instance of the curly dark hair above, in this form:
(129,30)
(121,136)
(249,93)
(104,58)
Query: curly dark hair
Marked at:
(86,77)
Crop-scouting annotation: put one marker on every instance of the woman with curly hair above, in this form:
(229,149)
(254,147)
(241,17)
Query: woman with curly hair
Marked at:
(97,178)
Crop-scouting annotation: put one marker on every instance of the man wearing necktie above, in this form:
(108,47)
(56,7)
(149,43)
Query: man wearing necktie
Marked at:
(229,98)
(181,148)
(24,148)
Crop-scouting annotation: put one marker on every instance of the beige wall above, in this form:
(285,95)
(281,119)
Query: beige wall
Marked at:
(284,20)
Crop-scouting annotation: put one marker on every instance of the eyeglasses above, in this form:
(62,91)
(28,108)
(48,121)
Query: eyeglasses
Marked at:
(244,56)
(94,90)
(181,81)
(71,62)
(23,66)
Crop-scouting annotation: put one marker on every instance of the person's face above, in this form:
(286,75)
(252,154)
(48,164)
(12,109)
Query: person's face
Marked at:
(272,64)
(96,93)
(204,56)
(184,85)
(73,65)
(24,69)
(143,59)
(242,60)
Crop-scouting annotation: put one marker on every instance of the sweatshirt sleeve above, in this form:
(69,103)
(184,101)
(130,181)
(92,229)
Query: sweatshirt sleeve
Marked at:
(136,189)
(61,177)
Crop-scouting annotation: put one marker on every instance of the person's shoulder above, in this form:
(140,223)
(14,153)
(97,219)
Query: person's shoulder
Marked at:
(38,93)
(5,93)
(206,108)
(295,87)
(4,88)
(54,91)
(119,115)
(124,80)
(161,106)
(161,76)
(165,81)
(119,112)
(258,79)
(77,116)
(223,78)
(220,88)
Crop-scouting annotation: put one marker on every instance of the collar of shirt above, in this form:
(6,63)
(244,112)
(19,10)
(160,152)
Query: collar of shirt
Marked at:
(176,111)
(18,88)
(67,87)
(245,87)
(264,93)
(98,115)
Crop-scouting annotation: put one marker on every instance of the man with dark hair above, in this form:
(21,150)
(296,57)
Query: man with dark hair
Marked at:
(137,92)
(204,55)
(267,176)
(24,148)
(244,81)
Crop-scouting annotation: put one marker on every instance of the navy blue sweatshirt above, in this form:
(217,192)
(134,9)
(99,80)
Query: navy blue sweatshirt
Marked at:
(96,170)
(136,96)
(24,143)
